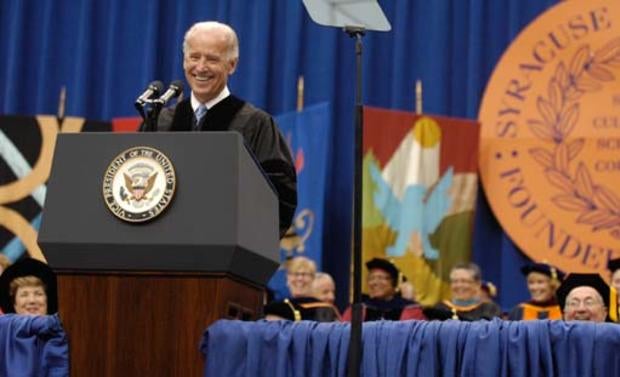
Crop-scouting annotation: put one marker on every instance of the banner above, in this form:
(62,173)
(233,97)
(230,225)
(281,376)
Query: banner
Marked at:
(26,149)
(419,190)
(308,135)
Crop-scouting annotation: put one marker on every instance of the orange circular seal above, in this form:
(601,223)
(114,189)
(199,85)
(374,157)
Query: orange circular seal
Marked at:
(550,137)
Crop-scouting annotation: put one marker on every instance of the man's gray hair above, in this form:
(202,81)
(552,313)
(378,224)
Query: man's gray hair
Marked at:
(229,32)
(472,267)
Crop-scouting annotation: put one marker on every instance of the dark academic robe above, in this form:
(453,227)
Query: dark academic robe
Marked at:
(261,135)
(532,310)
(481,310)
(396,309)
(303,308)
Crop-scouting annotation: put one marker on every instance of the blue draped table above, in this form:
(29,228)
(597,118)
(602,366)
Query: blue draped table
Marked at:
(414,348)
(33,346)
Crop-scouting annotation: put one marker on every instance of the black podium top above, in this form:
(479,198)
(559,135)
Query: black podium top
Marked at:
(223,216)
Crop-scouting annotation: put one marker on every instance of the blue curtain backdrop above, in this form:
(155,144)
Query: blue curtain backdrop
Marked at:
(105,53)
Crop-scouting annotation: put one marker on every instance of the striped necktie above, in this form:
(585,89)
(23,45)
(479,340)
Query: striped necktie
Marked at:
(199,114)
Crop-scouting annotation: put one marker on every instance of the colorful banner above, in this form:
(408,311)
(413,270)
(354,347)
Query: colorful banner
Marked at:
(26,149)
(420,186)
(308,135)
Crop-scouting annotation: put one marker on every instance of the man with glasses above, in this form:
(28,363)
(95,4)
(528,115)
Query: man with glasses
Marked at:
(465,303)
(584,297)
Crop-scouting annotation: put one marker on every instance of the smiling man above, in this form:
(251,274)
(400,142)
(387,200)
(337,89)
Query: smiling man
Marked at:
(584,297)
(465,303)
(210,56)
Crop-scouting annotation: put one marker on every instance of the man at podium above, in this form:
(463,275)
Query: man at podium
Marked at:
(210,56)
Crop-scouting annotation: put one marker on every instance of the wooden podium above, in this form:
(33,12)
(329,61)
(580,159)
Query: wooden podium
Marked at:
(135,299)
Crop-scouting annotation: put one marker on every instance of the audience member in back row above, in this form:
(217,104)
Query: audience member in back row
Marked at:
(584,297)
(28,287)
(300,274)
(543,281)
(324,288)
(383,301)
(465,303)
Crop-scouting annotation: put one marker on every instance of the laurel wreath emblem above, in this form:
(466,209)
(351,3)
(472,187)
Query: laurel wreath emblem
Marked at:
(597,205)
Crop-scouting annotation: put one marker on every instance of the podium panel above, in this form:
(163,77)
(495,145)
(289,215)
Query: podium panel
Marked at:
(134,298)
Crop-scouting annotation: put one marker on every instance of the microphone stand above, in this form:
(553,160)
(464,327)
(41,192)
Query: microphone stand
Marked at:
(151,115)
(354,356)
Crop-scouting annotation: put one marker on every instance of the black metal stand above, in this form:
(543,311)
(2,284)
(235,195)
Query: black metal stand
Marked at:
(355,342)
(150,114)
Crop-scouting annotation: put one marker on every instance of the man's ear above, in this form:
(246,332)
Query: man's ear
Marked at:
(233,65)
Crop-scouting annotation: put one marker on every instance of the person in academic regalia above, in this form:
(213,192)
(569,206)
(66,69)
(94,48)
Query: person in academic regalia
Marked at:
(301,304)
(210,56)
(543,281)
(465,303)
(584,297)
(28,287)
(383,301)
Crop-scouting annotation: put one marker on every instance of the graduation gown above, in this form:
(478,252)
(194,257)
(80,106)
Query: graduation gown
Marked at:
(481,310)
(261,136)
(396,309)
(531,310)
(303,308)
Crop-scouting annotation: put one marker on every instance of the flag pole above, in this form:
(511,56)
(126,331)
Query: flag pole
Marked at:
(300,94)
(418,96)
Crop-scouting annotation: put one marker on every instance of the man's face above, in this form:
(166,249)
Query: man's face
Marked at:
(324,290)
(380,285)
(584,304)
(462,285)
(539,286)
(206,63)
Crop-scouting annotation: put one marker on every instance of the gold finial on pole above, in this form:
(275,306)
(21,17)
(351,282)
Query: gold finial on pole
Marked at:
(62,99)
(300,93)
(418,96)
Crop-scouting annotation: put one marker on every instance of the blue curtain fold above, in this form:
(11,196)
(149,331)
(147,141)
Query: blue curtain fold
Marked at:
(106,52)
(414,348)
(33,346)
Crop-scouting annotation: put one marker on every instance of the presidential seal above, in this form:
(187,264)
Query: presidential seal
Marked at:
(139,184)
(550,137)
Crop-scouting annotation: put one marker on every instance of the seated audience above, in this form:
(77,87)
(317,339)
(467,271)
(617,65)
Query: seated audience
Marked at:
(465,303)
(28,287)
(584,297)
(543,281)
(301,305)
(323,287)
(383,301)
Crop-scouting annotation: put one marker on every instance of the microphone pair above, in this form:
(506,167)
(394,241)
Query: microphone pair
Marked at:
(152,93)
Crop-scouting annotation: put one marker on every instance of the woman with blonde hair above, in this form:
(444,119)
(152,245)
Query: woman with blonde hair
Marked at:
(28,287)
(543,280)
(300,274)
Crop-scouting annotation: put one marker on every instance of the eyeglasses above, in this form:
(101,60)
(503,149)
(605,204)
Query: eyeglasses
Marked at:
(301,274)
(588,303)
(461,281)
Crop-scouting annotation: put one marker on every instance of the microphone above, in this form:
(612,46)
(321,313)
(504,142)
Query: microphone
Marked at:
(174,90)
(152,90)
